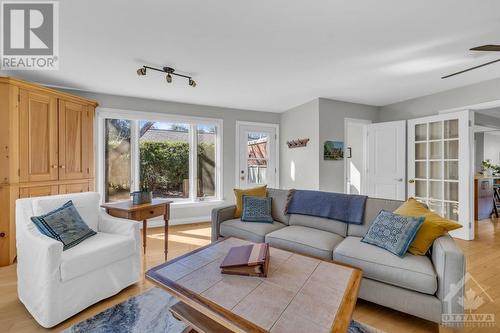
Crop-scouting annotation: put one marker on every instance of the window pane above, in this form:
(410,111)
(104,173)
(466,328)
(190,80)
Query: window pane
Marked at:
(421,132)
(207,136)
(117,159)
(435,130)
(257,156)
(164,158)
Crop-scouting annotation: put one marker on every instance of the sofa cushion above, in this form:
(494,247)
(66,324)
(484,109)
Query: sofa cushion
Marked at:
(372,208)
(393,232)
(96,252)
(280,203)
(252,231)
(320,223)
(310,241)
(259,191)
(256,209)
(87,205)
(410,272)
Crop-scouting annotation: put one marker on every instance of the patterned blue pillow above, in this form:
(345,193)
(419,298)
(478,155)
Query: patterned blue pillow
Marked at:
(64,224)
(393,232)
(257,209)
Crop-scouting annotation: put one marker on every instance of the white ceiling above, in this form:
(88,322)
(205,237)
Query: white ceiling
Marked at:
(273,55)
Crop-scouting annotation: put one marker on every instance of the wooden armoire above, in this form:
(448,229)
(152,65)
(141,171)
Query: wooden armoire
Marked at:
(47,148)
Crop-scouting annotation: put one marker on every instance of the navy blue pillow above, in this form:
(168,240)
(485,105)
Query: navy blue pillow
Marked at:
(393,232)
(64,224)
(257,209)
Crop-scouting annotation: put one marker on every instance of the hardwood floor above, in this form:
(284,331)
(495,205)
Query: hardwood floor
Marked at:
(483,263)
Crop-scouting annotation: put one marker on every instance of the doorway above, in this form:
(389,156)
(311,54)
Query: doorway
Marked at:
(257,154)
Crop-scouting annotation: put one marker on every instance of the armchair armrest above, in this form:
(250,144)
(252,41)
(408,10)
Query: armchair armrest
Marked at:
(449,262)
(220,215)
(115,225)
(38,253)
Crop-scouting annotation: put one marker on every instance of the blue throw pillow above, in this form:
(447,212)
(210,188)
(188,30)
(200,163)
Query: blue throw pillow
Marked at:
(393,232)
(64,224)
(257,209)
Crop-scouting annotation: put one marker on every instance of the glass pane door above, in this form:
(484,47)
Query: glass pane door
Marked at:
(440,166)
(436,166)
(257,154)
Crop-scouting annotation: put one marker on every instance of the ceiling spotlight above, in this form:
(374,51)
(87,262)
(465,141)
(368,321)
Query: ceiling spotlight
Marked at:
(169,71)
(141,71)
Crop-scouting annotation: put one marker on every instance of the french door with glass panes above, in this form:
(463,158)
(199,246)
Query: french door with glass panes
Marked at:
(440,166)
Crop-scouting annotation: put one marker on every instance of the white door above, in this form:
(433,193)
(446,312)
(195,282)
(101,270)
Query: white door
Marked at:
(440,166)
(386,171)
(256,153)
(355,156)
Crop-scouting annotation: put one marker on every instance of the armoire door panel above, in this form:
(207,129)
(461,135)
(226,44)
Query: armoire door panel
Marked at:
(38,191)
(73,140)
(38,144)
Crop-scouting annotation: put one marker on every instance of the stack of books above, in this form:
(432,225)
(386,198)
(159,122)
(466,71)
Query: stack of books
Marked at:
(248,260)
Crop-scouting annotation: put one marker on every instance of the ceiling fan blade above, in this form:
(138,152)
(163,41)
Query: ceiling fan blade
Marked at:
(486,48)
(469,69)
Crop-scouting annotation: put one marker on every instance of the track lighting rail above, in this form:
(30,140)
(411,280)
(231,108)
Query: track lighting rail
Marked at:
(169,70)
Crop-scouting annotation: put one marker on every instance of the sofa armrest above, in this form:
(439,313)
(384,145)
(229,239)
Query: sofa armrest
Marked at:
(449,263)
(220,215)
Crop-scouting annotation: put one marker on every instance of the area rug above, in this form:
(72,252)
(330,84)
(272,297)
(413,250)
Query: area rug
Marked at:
(149,312)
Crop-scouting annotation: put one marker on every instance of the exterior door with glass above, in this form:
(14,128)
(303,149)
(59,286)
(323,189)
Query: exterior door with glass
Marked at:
(256,155)
(440,172)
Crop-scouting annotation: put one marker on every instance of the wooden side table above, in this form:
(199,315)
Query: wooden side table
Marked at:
(143,212)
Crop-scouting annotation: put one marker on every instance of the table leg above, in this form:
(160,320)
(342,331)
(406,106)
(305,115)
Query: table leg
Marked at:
(165,218)
(144,234)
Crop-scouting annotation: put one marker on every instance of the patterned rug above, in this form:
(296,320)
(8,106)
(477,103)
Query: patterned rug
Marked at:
(149,312)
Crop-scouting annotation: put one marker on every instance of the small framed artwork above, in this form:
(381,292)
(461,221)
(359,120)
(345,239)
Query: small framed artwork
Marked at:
(333,150)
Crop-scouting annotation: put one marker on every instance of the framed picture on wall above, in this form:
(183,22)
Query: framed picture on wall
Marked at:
(333,150)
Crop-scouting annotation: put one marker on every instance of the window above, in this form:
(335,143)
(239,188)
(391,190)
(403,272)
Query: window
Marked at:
(164,158)
(117,159)
(174,158)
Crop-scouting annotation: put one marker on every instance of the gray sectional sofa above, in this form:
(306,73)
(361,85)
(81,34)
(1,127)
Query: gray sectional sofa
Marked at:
(423,286)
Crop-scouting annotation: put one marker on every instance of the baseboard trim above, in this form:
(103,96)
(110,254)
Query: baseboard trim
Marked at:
(158,222)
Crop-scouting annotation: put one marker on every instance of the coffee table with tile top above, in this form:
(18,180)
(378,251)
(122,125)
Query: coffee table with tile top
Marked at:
(300,294)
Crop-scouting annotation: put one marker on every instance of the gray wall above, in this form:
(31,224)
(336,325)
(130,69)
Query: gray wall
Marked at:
(299,166)
(331,127)
(319,120)
(482,92)
(229,117)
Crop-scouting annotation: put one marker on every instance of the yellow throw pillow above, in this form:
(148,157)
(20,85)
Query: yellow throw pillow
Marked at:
(433,227)
(260,191)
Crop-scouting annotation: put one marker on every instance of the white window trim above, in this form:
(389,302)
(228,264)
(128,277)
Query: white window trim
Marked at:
(135,116)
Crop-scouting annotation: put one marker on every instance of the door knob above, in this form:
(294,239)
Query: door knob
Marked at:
(411,181)
(398,179)
(62,166)
(54,166)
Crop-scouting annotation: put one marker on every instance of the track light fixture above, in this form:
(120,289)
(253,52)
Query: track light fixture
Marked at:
(169,70)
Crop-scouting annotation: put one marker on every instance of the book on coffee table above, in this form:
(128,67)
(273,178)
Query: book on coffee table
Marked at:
(250,260)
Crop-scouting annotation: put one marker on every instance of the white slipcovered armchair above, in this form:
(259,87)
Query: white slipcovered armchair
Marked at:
(54,284)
